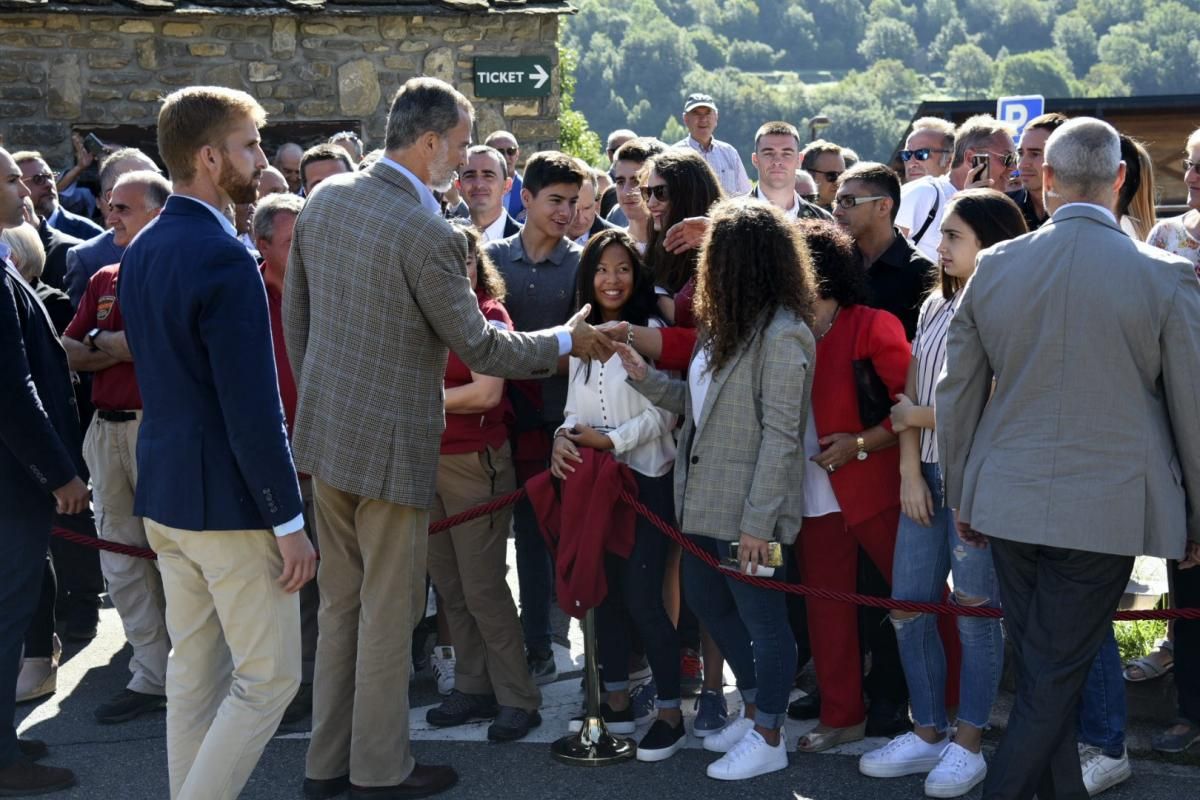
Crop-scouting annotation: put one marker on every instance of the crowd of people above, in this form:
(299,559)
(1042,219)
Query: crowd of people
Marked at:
(978,369)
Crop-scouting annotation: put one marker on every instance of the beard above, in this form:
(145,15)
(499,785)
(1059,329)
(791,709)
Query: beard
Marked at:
(442,171)
(241,189)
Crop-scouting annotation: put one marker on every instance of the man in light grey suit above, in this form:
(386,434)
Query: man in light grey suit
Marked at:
(376,289)
(1088,451)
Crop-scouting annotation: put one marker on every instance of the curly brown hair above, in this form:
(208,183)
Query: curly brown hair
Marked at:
(488,280)
(753,262)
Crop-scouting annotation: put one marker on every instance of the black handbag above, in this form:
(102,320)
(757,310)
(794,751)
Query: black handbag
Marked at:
(874,401)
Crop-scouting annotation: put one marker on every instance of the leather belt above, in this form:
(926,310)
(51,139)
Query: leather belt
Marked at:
(116,416)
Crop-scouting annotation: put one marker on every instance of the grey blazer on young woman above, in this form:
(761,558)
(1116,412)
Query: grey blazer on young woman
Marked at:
(741,469)
(1091,439)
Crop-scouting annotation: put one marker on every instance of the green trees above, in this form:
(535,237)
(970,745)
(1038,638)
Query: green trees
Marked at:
(866,63)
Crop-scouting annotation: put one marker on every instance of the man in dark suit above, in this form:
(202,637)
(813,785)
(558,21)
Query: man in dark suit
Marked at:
(216,486)
(39,433)
(43,190)
(587,222)
(56,243)
(482,183)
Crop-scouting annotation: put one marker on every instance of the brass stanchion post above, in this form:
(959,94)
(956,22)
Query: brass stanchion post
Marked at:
(593,745)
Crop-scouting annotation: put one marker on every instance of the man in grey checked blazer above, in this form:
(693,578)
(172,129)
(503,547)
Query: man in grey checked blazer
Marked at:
(1084,452)
(376,289)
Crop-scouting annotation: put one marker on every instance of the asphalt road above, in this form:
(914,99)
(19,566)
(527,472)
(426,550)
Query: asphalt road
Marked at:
(128,761)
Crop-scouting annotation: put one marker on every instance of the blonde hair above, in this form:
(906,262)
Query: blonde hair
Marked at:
(1194,139)
(27,252)
(197,116)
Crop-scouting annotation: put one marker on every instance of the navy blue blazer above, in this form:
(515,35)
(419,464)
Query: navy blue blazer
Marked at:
(85,260)
(56,244)
(213,449)
(74,225)
(39,427)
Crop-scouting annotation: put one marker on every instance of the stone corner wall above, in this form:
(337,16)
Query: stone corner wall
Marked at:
(59,72)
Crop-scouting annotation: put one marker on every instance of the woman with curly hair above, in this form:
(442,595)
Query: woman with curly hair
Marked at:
(852,495)
(484,673)
(739,482)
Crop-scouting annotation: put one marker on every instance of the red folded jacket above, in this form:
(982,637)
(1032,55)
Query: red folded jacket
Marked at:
(581,519)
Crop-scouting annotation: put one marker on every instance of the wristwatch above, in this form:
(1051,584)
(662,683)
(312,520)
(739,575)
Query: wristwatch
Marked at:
(90,339)
(862,448)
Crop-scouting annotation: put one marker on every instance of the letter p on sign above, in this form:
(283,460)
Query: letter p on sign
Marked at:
(1018,111)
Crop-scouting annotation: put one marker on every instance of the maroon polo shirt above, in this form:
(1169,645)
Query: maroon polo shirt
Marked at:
(113,388)
(472,433)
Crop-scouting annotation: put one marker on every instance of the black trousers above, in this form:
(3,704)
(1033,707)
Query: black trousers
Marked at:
(1058,605)
(1186,587)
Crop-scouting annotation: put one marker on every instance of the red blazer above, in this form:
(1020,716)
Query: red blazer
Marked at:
(581,520)
(863,488)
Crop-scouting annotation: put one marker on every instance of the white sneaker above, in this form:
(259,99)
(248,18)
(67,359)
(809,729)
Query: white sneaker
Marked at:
(442,662)
(957,773)
(749,758)
(1102,772)
(905,755)
(723,740)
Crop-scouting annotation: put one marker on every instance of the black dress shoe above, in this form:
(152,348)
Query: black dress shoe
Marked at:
(322,788)
(423,782)
(806,707)
(23,777)
(300,707)
(128,704)
(512,724)
(459,708)
(33,749)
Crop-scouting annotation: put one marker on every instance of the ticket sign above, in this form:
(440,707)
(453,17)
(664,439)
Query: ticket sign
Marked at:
(518,76)
(1019,110)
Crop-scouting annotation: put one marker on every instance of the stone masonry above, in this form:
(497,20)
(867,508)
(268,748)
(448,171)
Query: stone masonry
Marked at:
(66,71)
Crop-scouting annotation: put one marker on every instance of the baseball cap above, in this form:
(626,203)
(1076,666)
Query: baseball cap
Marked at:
(695,100)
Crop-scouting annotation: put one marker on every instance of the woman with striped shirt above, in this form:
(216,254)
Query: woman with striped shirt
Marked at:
(927,544)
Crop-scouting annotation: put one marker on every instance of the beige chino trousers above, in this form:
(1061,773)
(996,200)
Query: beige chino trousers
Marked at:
(235,664)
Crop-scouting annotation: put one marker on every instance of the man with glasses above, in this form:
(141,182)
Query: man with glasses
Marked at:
(43,190)
(825,162)
(897,275)
(923,201)
(700,116)
(506,144)
(776,157)
(928,149)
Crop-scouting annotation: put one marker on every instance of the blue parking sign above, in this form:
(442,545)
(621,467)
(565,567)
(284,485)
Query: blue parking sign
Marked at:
(1018,110)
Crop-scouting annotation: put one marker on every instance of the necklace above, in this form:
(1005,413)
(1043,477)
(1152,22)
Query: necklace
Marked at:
(829,327)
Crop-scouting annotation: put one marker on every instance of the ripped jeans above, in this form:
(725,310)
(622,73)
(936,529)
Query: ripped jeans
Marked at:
(924,557)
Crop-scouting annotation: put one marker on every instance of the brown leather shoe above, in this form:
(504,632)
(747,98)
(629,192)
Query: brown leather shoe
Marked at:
(33,749)
(423,782)
(24,777)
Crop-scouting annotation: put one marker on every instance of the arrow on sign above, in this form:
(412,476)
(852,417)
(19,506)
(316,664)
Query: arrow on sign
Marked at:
(539,75)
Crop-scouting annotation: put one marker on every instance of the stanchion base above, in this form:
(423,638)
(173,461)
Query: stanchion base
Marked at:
(593,746)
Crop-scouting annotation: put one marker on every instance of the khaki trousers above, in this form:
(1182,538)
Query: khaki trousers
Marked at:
(372,578)
(235,664)
(467,564)
(134,584)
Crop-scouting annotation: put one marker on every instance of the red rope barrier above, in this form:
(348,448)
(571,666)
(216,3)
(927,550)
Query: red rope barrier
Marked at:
(687,544)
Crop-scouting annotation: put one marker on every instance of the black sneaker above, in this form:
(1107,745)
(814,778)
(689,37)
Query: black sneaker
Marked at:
(460,708)
(23,777)
(621,722)
(325,788)
(127,704)
(542,668)
(662,741)
(300,707)
(512,724)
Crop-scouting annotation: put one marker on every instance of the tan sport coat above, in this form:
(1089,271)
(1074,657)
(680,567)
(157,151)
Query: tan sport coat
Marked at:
(1092,438)
(376,290)
(741,469)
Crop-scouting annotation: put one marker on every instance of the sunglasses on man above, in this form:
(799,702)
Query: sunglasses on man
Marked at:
(659,193)
(41,179)
(920,154)
(849,201)
(508,151)
(831,176)
(1007,159)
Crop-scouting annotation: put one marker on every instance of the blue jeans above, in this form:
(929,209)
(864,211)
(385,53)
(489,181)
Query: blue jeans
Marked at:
(750,626)
(924,557)
(535,578)
(1102,705)
(635,593)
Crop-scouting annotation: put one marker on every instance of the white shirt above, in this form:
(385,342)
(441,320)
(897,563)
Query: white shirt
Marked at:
(725,161)
(916,199)
(495,231)
(819,498)
(424,193)
(699,379)
(641,432)
(792,211)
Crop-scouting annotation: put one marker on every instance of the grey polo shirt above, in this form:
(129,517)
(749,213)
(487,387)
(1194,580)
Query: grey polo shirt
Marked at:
(540,295)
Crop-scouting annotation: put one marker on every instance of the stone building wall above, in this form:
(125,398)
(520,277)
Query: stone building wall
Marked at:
(59,72)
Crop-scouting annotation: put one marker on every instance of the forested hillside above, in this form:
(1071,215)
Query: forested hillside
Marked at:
(866,64)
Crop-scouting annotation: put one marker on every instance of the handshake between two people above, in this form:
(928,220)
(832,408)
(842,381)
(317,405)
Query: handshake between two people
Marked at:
(594,342)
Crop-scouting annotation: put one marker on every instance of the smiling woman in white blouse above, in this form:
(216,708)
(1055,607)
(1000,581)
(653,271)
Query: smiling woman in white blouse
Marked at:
(604,412)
